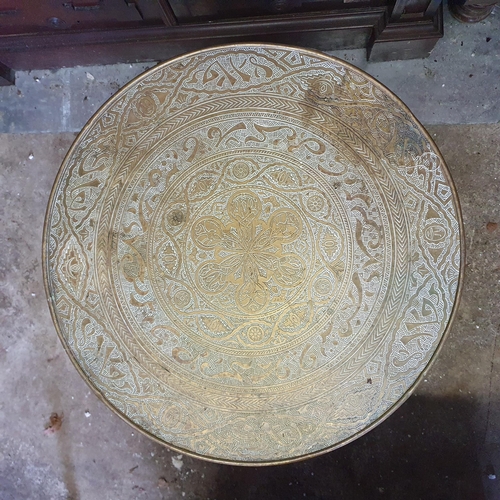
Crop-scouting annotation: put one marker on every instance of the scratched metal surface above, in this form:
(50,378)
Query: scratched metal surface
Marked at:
(253,252)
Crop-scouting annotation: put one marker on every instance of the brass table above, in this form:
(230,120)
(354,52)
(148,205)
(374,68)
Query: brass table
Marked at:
(252,253)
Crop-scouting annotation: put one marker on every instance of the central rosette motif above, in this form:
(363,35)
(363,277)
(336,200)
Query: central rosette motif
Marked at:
(249,252)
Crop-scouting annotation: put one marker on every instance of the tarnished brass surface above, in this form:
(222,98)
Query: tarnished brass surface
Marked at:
(252,253)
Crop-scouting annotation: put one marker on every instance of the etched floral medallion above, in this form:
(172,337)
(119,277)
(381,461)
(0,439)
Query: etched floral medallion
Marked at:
(248,252)
(253,252)
(246,257)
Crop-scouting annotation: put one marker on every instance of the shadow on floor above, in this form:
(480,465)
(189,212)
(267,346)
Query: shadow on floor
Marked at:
(426,450)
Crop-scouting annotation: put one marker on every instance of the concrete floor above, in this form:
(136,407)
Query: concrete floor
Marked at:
(444,443)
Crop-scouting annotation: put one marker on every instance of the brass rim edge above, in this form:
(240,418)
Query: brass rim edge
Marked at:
(408,392)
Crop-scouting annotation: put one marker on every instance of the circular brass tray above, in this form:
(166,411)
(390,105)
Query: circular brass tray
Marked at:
(252,253)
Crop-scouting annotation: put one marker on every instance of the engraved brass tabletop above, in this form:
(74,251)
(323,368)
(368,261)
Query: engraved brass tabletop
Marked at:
(253,252)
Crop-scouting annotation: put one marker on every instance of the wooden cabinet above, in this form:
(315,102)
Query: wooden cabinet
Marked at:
(36,34)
